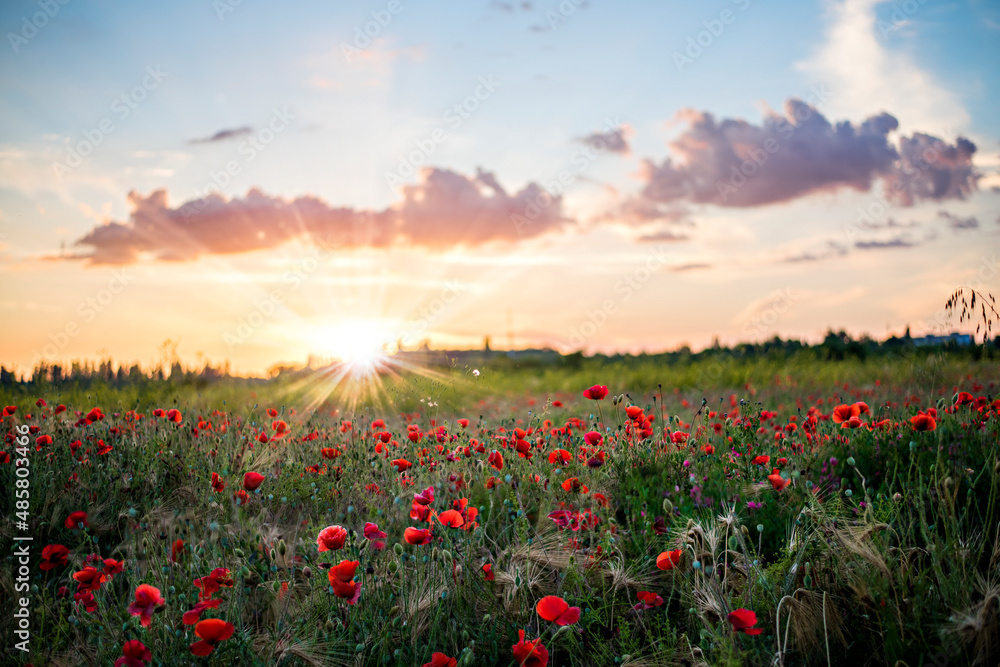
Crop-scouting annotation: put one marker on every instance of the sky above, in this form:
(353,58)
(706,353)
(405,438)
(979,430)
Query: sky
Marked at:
(260,181)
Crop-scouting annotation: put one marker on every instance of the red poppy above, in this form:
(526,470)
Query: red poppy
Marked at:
(761,460)
(147,599)
(964,398)
(593,438)
(159,412)
(402,465)
(103,448)
(633,412)
(176,550)
(341,578)
(451,518)
(743,621)
(842,413)
(554,608)
(9,410)
(86,600)
(193,615)
(53,555)
(777,481)
(134,654)
(42,440)
(464,423)
(89,579)
(560,457)
(331,538)
(113,567)
(574,485)
(440,660)
(212,583)
(94,415)
(923,422)
(648,600)
(217,484)
(252,480)
(496,460)
(417,536)
(595,393)
(668,560)
(376,536)
(75,519)
(212,631)
(530,654)
(488,572)
(174,415)
(853,422)
(240,496)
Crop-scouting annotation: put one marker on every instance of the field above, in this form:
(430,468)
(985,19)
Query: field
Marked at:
(777,510)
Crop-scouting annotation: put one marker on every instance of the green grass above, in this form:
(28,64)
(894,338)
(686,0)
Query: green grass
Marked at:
(882,550)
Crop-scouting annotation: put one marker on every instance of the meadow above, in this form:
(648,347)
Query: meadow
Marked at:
(779,509)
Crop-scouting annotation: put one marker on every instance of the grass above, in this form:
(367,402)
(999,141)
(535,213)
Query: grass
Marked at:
(882,549)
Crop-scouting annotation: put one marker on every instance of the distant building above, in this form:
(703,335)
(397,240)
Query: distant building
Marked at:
(955,338)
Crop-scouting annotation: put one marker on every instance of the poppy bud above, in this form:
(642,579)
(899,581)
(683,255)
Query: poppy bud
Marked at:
(445,555)
(276,585)
(393,566)
(307,572)
(398,548)
(270,554)
(330,626)
(282,547)
(668,506)
(239,553)
(746,532)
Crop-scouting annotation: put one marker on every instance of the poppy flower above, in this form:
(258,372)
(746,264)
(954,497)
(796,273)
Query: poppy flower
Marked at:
(331,538)
(593,438)
(42,440)
(241,497)
(75,519)
(113,567)
(401,465)
(530,654)
(648,600)
(488,572)
(341,578)
(376,536)
(174,415)
(964,398)
(217,484)
(668,560)
(89,579)
(761,460)
(86,600)
(560,457)
(176,550)
(417,536)
(9,410)
(743,621)
(554,608)
(451,518)
(193,615)
(633,412)
(595,393)
(496,460)
(134,654)
(574,485)
(853,422)
(464,423)
(923,422)
(777,481)
(147,599)
(212,631)
(212,583)
(440,660)
(252,480)
(53,555)
(103,447)
(94,415)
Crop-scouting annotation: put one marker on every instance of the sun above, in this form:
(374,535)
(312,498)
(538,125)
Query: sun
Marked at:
(359,344)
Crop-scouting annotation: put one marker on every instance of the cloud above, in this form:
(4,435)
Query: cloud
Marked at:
(855,61)
(694,266)
(733,163)
(615,141)
(443,209)
(663,235)
(223,135)
(957,223)
(897,242)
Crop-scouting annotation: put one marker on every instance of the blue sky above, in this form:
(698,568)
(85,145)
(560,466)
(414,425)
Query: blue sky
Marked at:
(557,76)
